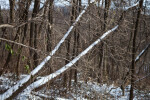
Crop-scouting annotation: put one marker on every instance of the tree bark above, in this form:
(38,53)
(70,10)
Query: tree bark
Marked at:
(33,33)
(68,40)
(12,13)
(102,53)
(25,16)
(134,50)
(50,28)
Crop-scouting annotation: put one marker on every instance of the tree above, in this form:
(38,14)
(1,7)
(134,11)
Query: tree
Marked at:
(12,9)
(50,28)
(33,32)
(134,49)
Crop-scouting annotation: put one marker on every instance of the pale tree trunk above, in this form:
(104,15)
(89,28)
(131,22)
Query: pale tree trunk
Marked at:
(134,50)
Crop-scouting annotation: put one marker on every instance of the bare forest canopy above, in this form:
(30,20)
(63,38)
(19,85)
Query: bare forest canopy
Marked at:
(63,3)
(105,41)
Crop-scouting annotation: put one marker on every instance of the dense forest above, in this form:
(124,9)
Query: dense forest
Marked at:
(83,50)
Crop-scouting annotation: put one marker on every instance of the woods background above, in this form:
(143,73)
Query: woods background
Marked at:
(113,61)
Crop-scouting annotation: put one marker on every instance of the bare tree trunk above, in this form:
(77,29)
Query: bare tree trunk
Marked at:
(1,22)
(77,40)
(134,50)
(35,56)
(33,34)
(1,17)
(102,54)
(68,40)
(50,19)
(12,13)
(25,16)
(12,4)
(2,35)
(73,72)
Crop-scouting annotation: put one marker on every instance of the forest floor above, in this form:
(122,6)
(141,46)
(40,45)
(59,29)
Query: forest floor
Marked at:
(81,91)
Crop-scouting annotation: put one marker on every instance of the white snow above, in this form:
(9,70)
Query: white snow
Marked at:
(126,8)
(43,80)
(137,58)
(58,72)
(85,91)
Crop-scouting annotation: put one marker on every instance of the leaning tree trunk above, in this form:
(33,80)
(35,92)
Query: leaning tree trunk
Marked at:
(134,50)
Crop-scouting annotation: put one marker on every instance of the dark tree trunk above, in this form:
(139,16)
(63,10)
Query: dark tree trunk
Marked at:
(68,43)
(50,19)
(73,72)
(102,56)
(12,13)
(25,16)
(134,50)
(33,33)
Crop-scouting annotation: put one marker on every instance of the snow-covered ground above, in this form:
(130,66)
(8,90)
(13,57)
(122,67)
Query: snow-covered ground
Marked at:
(82,91)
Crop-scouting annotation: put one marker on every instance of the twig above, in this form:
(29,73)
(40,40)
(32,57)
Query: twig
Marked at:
(142,78)
(3,39)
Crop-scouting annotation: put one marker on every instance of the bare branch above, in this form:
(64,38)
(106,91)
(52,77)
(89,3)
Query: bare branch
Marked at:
(67,66)
(20,44)
(13,89)
(6,25)
(142,52)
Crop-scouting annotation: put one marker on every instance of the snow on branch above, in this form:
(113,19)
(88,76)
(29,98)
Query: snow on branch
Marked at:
(44,80)
(67,66)
(134,5)
(6,25)
(141,53)
(10,91)
(142,78)
(42,95)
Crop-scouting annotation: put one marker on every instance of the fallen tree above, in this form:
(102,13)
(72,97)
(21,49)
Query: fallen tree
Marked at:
(22,84)
(67,66)
(46,79)
(16,89)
